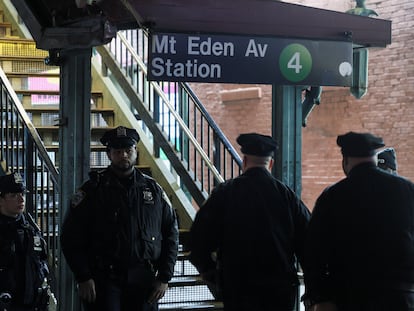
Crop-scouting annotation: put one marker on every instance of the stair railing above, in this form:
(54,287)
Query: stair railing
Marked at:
(197,141)
(22,151)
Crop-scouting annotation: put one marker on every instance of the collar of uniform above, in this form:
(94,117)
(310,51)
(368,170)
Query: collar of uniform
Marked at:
(8,220)
(362,167)
(256,170)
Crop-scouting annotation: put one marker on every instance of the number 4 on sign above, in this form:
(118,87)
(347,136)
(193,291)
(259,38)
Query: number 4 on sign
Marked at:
(294,62)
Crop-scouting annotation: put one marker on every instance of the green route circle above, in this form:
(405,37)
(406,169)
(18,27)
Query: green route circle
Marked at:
(295,62)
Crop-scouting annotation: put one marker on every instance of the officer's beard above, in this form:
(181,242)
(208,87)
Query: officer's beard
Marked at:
(122,170)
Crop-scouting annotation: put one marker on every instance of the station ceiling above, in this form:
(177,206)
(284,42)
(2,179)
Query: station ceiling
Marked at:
(68,24)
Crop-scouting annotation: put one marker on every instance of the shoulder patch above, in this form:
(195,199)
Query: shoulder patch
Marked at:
(77,198)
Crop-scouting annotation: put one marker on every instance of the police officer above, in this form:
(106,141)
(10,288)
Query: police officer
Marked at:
(23,252)
(120,236)
(360,246)
(387,160)
(245,236)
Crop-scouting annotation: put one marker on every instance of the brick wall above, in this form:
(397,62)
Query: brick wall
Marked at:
(386,110)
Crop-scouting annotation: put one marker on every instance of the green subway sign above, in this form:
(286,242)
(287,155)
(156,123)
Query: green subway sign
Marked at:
(243,59)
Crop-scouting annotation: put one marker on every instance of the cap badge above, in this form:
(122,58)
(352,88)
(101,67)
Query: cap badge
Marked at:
(121,131)
(17,178)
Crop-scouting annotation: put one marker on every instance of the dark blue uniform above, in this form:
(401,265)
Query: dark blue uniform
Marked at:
(257,225)
(123,234)
(360,251)
(23,264)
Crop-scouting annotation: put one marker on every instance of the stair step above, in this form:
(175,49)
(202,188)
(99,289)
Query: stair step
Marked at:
(5,29)
(186,281)
(49,92)
(18,48)
(97,148)
(51,97)
(25,65)
(49,74)
(206,305)
(184,255)
(95,130)
(55,109)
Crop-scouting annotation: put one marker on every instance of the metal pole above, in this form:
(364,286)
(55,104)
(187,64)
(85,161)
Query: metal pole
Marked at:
(74,149)
(287,130)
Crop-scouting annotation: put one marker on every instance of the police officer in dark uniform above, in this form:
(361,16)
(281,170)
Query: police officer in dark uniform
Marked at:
(23,252)
(360,247)
(387,160)
(245,236)
(120,236)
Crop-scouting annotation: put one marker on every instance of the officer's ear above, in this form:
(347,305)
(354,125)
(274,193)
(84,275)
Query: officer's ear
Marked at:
(108,152)
(244,163)
(345,164)
(270,165)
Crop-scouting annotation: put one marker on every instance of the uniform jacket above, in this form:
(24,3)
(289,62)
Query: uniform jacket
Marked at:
(23,259)
(361,235)
(258,225)
(113,225)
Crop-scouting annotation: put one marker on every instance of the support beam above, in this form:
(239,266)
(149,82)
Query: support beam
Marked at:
(287,130)
(74,147)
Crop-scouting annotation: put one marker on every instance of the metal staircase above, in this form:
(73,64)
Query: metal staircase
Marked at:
(181,127)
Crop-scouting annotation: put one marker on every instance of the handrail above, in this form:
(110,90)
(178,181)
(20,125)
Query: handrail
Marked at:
(212,123)
(22,150)
(178,118)
(201,145)
(30,127)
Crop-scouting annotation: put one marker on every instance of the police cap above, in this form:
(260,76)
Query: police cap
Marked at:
(257,144)
(359,144)
(387,159)
(12,183)
(120,137)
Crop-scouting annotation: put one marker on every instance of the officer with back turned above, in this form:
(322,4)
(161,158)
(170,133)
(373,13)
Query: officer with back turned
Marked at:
(360,246)
(120,235)
(246,236)
(387,160)
(23,252)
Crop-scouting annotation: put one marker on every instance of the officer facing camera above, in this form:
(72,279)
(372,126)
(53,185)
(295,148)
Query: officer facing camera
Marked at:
(120,236)
(23,252)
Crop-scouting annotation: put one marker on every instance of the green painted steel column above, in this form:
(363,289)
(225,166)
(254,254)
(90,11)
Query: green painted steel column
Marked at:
(74,149)
(287,130)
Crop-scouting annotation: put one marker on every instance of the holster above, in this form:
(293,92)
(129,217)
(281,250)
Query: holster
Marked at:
(5,301)
(42,298)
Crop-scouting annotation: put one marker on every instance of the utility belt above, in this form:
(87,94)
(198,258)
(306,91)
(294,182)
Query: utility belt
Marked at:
(41,301)
(401,286)
(378,286)
(393,285)
(42,297)
(5,301)
(140,274)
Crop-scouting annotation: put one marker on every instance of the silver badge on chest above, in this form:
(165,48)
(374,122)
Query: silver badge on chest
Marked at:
(37,244)
(148,197)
